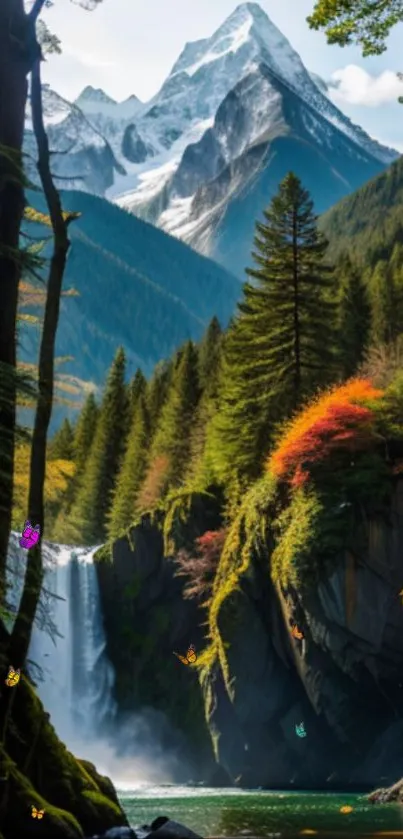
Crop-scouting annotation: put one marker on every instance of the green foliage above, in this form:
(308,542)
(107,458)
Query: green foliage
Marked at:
(132,471)
(172,438)
(368,224)
(137,388)
(157,390)
(386,295)
(280,346)
(85,433)
(62,445)
(94,497)
(354,318)
(296,531)
(209,357)
(365,22)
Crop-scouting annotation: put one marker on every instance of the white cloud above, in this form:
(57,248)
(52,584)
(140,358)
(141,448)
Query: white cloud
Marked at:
(87,59)
(352,84)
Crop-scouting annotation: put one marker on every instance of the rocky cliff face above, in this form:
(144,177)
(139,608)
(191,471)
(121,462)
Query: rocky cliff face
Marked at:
(343,679)
(146,620)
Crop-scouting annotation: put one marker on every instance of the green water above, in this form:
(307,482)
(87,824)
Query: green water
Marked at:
(235,813)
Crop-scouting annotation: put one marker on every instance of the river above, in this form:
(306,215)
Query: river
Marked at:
(235,813)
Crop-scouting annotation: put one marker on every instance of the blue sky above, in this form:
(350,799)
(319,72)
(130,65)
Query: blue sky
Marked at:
(129,46)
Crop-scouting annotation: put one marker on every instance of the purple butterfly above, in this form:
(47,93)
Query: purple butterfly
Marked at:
(30,535)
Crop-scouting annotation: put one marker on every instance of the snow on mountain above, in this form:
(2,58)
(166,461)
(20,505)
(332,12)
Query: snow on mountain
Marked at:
(174,122)
(179,159)
(92,98)
(81,154)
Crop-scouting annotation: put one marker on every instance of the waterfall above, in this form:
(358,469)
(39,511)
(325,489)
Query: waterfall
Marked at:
(67,660)
(67,654)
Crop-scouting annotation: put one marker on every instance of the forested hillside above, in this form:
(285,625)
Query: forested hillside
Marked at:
(134,285)
(368,223)
(210,416)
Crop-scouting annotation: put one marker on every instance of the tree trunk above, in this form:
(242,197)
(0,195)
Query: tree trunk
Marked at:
(15,52)
(22,629)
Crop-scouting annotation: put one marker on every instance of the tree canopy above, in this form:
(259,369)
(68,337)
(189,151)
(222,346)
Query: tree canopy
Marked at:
(363,22)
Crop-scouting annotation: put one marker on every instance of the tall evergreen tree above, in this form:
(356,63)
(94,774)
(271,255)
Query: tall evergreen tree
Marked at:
(209,354)
(354,317)
(94,497)
(61,447)
(210,351)
(85,433)
(132,471)
(280,346)
(157,390)
(172,437)
(137,387)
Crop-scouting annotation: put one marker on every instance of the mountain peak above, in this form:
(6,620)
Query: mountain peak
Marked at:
(94,95)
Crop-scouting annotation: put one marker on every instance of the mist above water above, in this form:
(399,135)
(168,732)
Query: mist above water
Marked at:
(75,679)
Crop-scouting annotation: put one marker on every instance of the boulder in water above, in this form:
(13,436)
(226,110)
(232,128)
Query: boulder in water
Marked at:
(118,833)
(165,828)
(383,796)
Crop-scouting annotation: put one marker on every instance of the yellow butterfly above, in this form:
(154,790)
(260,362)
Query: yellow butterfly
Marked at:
(13,677)
(37,814)
(346,809)
(190,655)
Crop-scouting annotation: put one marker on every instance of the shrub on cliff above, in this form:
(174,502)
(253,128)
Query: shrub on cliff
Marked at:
(200,570)
(341,420)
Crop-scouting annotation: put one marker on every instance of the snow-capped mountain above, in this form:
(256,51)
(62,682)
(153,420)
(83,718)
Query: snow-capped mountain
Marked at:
(235,111)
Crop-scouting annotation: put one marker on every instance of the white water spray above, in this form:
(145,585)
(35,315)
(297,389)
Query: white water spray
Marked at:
(77,678)
(68,662)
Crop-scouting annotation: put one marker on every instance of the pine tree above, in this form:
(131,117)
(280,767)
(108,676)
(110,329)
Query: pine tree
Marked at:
(280,346)
(172,437)
(157,390)
(209,354)
(210,351)
(137,387)
(61,446)
(132,472)
(354,317)
(85,433)
(94,497)
(386,295)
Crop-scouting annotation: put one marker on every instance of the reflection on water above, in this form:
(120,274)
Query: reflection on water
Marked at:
(234,813)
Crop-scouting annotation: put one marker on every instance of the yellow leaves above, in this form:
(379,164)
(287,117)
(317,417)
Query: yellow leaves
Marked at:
(30,214)
(58,475)
(31,295)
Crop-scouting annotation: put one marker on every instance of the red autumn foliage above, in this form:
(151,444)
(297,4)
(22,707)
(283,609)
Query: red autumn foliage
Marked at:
(337,420)
(200,570)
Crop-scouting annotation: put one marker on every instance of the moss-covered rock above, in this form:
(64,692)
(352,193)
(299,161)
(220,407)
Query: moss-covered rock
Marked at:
(153,620)
(316,545)
(37,770)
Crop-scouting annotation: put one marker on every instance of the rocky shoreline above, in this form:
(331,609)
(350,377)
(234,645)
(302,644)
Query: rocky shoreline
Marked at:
(387,794)
(161,828)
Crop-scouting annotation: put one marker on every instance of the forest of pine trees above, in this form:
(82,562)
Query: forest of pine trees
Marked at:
(208,416)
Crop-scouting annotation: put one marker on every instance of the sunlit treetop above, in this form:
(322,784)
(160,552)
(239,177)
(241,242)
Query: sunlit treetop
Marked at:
(363,22)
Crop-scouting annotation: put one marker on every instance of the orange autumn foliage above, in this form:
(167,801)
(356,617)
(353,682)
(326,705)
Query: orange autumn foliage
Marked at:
(338,419)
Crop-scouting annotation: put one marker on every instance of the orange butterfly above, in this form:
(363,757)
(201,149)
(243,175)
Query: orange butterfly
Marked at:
(346,809)
(37,814)
(296,633)
(190,655)
(13,677)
